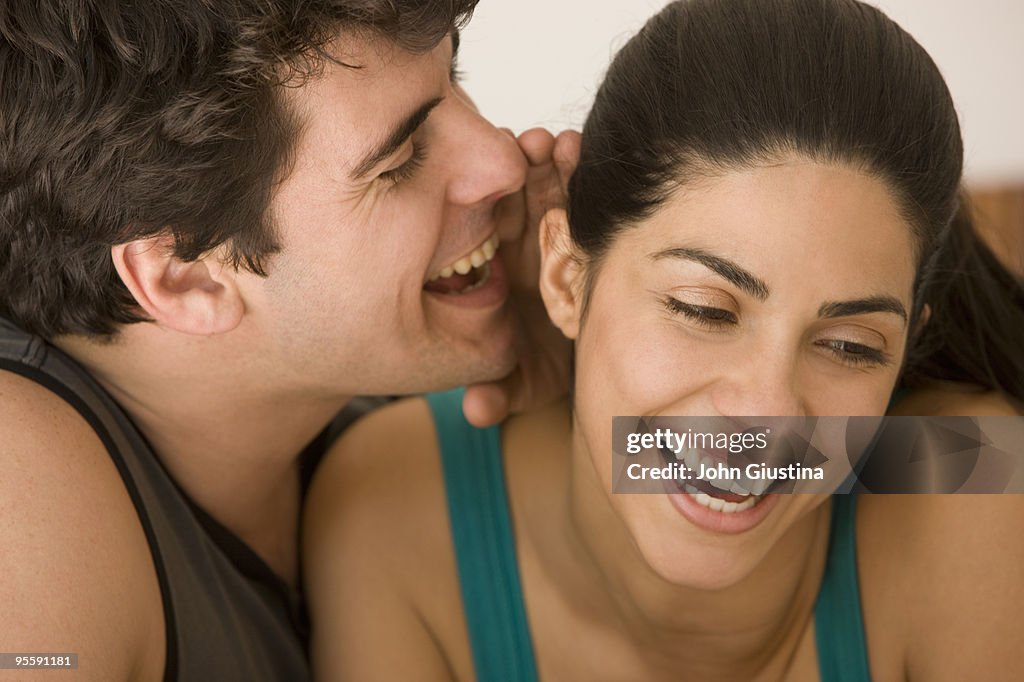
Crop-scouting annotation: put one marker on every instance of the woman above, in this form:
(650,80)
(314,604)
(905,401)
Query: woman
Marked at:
(761,224)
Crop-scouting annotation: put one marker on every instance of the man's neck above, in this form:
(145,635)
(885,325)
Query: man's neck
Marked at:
(230,439)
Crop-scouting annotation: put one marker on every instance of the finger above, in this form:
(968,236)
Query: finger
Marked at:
(566,154)
(538,145)
(485,405)
(510,217)
(508,131)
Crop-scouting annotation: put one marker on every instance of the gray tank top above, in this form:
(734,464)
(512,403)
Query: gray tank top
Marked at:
(227,615)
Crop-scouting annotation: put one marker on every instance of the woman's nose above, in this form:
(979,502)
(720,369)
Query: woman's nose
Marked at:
(766,387)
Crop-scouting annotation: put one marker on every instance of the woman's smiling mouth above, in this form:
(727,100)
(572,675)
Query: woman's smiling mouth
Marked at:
(716,504)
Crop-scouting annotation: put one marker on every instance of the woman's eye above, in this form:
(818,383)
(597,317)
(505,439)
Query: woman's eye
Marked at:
(712,318)
(855,354)
(408,169)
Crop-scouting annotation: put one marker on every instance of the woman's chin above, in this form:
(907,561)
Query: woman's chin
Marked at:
(711,572)
(712,554)
(686,560)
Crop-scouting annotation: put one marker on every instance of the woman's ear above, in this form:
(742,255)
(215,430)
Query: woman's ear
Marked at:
(198,297)
(926,314)
(922,321)
(561,273)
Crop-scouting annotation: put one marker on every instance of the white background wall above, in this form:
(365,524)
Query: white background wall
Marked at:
(538,62)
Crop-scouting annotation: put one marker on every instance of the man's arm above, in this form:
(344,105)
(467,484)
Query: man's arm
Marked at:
(76,575)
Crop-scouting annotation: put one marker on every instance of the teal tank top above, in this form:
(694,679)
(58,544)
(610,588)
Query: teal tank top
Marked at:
(492,595)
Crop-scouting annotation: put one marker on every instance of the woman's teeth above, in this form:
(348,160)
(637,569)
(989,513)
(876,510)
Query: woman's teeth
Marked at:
(720,505)
(742,486)
(483,254)
(751,490)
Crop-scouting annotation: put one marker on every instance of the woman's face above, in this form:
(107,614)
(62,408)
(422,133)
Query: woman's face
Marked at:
(775,291)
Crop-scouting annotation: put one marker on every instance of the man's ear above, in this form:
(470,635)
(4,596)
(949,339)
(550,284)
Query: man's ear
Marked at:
(199,297)
(561,273)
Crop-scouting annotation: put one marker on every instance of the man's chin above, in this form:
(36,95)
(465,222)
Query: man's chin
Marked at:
(450,360)
(483,355)
(473,371)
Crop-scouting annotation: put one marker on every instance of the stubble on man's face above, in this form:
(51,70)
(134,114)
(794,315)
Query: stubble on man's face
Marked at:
(356,301)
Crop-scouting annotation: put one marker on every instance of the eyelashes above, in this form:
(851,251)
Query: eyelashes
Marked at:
(408,169)
(710,318)
(855,354)
(719,319)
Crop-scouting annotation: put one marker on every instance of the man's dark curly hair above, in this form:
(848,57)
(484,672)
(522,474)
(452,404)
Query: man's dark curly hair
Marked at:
(126,120)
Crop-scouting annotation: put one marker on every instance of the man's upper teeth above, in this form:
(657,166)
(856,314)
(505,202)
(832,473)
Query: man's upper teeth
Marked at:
(483,254)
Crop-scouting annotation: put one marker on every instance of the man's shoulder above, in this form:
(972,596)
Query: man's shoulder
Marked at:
(78,576)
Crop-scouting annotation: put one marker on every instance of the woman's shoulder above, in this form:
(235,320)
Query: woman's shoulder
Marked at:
(377,501)
(378,562)
(941,577)
(927,534)
(380,473)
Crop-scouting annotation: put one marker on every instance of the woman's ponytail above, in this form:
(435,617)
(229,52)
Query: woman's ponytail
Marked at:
(975,330)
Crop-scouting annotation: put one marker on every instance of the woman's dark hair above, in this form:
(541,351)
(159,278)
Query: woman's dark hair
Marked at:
(713,85)
(124,120)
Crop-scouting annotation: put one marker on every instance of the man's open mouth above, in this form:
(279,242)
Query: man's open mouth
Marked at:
(468,273)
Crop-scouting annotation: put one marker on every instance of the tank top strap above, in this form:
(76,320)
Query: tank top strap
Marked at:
(838,622)
(484,544)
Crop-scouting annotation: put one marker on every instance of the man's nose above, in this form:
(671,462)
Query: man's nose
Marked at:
(487,162)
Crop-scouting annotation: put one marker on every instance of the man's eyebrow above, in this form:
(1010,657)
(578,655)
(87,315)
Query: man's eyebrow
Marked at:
(862,306)
(743,279)
(395,139)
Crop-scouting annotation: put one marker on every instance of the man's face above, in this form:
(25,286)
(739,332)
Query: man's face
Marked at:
(396,180)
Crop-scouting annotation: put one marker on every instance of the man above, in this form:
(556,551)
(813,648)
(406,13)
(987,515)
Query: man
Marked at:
(218,222)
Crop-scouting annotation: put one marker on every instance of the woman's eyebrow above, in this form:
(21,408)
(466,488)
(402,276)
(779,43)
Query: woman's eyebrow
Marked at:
(862,306)
(724,267)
